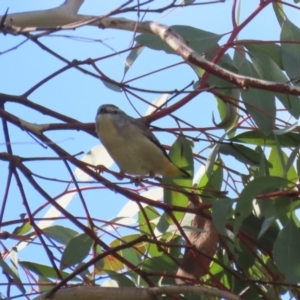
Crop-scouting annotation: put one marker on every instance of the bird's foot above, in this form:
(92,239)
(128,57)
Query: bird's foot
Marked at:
(137,180)
(100,169)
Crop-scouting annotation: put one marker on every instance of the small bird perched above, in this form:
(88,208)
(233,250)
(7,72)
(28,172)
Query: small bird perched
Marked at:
(132,145)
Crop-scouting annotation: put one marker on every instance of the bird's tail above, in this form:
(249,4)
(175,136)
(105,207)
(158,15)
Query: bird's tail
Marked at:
(173,170)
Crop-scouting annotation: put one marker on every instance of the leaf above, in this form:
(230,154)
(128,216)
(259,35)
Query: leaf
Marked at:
(211,158)
(286,252)
(260,185)
(241,153)
(199,40)
(220,211)
(100,263)
(76,250)
(252,227)
(121,279)
(213,181)
(112,86)
(24,228)
(271,50)
(132,56)
(228,114)
(45,284)
(269,70)
(257,138)
(290,51)
(60,234)
(286,129)
(11,273)
(260,104)
(150,213)
(182,156)
(279,12)
(157,103)
(279,165)
(43,270)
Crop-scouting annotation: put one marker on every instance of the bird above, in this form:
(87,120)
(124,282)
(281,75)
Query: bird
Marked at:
(132,145)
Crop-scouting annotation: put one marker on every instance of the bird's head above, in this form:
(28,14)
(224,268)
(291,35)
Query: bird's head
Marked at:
(109,109)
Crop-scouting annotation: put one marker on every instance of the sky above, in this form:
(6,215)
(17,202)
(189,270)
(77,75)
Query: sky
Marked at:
(79,96)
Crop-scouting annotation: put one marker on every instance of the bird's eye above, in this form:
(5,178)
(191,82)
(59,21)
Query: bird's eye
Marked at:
(115,112)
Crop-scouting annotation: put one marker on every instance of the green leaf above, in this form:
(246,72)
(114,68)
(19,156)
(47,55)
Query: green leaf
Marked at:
(286,252)
(279,12)
(271,50)
(241,153)
(257,138)
(198,40)
(121,279)
(279,165)
(212,182)
(43,270)
(260,104)
(220,212)
(182,156)
(258,186)
(131,255)
(269,70)
(45,284)
(163,223)
(76,250)
(290,50)
(151,214)
(252,226)
(11,272)
(100,263)
(60,234)
(24,228)
(228,114)
(211,158)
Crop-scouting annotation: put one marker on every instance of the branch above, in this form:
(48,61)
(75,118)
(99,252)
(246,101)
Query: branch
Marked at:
(128,293)
(65,17)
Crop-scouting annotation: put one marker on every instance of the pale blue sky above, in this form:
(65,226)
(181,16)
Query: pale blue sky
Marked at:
(78,95)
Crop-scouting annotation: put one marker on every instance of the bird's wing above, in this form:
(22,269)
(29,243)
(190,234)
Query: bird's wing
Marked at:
(146,132)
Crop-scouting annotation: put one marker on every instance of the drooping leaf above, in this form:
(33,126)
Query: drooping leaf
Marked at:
(11,272)
(260,104)
(252,226)
(182,156)
(261,185)
(132,56)
(286,252)
(279,12)
(279,165)
(269,70)
(290,51)
(213,181)
(221,209)
(144,219)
